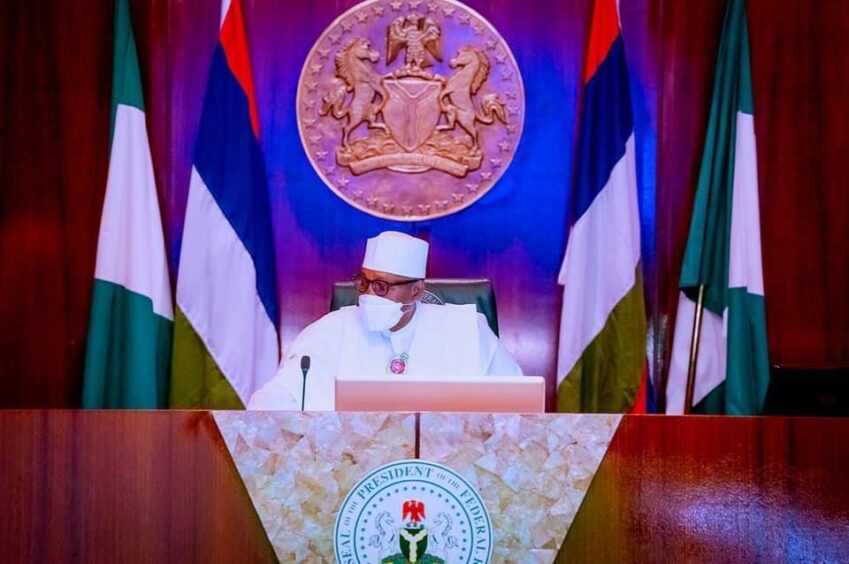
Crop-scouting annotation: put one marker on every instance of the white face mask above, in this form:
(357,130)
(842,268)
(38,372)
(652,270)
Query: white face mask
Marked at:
(380,314)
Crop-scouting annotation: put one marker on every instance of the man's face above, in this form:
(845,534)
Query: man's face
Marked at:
(398,290)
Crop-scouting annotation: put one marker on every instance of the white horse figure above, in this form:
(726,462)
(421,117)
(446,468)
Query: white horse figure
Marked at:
(384,540)
(440,536)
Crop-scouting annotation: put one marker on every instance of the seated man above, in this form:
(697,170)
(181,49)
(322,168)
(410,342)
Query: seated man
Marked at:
(388,332)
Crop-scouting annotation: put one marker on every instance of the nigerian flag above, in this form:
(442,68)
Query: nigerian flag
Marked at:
(128,355)
(724,249)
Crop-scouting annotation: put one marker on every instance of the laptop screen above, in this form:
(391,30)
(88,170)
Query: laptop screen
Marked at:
(488,394)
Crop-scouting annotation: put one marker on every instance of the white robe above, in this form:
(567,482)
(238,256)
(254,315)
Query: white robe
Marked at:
(440,340)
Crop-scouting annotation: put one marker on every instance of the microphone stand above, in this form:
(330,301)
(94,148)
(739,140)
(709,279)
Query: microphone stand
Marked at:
(305,367)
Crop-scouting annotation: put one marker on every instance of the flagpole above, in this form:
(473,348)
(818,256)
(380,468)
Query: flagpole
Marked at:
(694,349)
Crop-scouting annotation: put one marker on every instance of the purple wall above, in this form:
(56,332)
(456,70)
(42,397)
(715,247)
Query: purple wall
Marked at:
(515,235)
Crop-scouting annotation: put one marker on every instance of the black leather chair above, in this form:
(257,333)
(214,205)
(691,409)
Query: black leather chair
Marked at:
(437,291)
(808,389)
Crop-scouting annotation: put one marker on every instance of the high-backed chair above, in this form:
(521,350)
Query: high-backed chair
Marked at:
(437,291)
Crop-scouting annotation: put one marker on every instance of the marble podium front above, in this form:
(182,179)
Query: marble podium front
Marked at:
(298,467)
(531,470)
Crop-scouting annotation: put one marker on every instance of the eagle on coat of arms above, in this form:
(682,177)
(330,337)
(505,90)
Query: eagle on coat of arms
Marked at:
(420,35)
(413,537)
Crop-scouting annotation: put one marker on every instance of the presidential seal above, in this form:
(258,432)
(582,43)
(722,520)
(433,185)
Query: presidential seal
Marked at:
(410,110)
(413,511)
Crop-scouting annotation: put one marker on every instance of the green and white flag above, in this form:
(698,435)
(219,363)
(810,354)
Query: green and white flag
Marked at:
(724,249)
(128,355)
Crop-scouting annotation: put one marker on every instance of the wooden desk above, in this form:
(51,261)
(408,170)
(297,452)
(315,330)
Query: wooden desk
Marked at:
(162,487)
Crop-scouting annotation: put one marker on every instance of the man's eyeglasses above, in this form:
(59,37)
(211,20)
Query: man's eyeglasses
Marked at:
(380,287)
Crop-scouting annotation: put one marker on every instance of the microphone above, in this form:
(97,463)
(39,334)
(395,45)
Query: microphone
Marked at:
(305,367)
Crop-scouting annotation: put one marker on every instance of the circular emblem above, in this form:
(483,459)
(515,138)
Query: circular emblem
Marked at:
(410,110)
(413,511)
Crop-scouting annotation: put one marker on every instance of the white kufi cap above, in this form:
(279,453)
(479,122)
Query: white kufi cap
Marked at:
(396,253)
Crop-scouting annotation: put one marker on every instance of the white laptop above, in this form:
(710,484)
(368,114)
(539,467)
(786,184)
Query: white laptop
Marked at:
(487,394)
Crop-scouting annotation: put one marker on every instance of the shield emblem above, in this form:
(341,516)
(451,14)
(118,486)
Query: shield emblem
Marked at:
(413,543)
(412,110)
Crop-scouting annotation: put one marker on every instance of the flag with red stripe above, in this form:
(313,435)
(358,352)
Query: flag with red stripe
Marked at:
(225,333)
(602,349)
